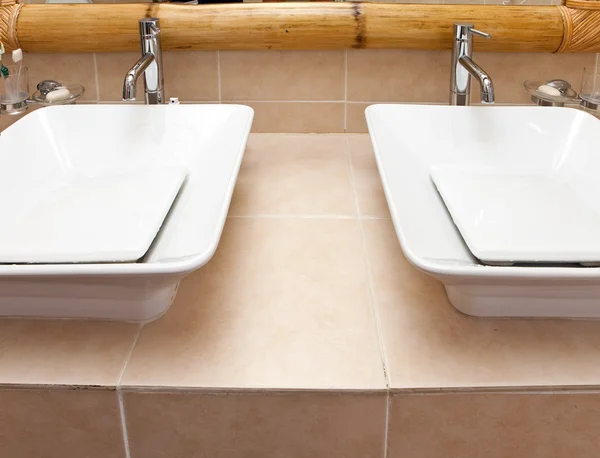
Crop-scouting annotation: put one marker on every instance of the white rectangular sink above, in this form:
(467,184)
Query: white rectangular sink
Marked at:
(560,142)
(207,140)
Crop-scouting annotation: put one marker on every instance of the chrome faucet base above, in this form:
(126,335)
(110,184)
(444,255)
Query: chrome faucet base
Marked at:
(149,65)
(154,98)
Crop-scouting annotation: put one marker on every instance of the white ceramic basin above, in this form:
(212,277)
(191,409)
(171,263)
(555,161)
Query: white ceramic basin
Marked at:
(562,142)
(208,140)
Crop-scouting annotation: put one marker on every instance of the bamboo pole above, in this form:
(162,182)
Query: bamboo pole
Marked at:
(315,25)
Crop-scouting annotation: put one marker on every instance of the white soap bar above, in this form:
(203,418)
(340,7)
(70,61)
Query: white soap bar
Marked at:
(57,95)
(548,90)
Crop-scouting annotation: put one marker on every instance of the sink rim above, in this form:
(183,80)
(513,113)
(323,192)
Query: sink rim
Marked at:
(172,266)
(465,271)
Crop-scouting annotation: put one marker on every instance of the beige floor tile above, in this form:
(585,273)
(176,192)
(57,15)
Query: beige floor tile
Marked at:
(429,344)
(255,425)
(400,76)
(294,174)
(44,352)
(282,75)
(356,122)
(191,75)
(60,424)
(495,425)
(367,182)
(283,304)
(297,117)
(63,67)
(510,70)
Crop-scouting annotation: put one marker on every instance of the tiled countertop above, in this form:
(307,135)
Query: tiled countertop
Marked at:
(308,291)
(308,335)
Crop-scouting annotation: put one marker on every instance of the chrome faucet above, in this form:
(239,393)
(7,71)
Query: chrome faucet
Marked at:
(150,64)
(463,67)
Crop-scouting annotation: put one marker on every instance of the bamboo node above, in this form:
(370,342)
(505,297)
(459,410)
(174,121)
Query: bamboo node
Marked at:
(8,25)
(581,29)
(583,4)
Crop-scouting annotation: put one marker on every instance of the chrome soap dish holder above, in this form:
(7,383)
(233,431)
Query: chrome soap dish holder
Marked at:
(544,93)
(64,93)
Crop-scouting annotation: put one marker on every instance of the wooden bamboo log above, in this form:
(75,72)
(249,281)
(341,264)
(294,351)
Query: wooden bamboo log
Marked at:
(316,25)
(513,28)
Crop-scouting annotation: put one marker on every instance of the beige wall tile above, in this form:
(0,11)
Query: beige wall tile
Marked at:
(283,304)
(398,75)
(282,75)
(63,67)
(45,352)
(495,425)
(429,344)
(294,174)
(191,75)
(298,117)
(60,424)
(356,122)
(367,182)
(112,68)
(508,71)
(255,425)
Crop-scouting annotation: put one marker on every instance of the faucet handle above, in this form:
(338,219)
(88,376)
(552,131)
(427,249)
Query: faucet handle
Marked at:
(479,32)
(149,27)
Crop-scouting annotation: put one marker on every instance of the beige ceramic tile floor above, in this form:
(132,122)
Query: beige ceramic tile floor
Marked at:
(285,302)
(308,271)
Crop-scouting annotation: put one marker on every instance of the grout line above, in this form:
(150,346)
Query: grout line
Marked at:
(536,390)
(219,76)
(372,302)
(301,216)
(376,317)
(372,299)
(281,101)
(96,78)
(120,394)
(252,390)
(128,356)
(386,437)
(352,180)
(345,90)
(123,424)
